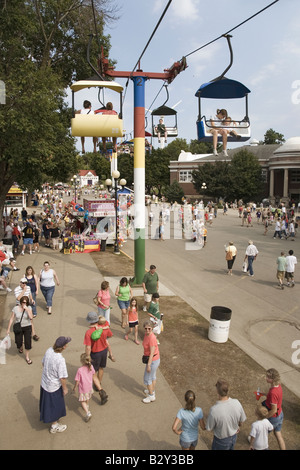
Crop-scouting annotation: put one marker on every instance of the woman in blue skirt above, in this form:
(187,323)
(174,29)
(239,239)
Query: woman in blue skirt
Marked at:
(54,386)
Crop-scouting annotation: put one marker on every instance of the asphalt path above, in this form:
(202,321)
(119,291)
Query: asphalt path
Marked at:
(265,320)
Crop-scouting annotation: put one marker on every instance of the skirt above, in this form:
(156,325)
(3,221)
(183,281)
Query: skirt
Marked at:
(52,405)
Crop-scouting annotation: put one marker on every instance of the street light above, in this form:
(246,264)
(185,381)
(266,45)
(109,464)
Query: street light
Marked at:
(75,181)
(116,175)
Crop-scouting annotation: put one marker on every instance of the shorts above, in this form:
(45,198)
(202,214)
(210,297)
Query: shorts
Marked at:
(280,275)
(289,275)
(149,377)
(123,304)
(277,422)
(132,324)
(27,241)
(147,297)
(99,359)
(187,445)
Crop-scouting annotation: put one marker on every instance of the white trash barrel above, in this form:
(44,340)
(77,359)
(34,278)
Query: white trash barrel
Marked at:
(219,324)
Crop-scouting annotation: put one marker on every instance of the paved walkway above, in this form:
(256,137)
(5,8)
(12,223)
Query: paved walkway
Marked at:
(125,422)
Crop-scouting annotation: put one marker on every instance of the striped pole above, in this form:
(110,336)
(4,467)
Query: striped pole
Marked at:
(139,179)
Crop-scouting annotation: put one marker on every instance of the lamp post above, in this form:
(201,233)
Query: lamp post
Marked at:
(108,182)
(75,181)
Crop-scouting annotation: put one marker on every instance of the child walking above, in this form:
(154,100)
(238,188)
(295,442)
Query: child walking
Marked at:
(133,320)
(258,437)
(84,381)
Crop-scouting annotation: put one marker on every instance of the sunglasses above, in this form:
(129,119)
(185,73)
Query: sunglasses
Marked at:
(148,328)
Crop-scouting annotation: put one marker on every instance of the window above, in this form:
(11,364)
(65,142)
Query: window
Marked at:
(295,176)
(185,176)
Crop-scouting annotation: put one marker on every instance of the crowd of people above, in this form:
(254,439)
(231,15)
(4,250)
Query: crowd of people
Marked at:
(224,418)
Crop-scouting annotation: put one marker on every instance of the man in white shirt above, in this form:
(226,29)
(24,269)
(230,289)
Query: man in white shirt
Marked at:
(291,260)
(250,255)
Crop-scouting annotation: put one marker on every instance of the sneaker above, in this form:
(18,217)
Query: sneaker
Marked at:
(87,416)
(8,289)
(215,152)
(149,399)
(58,428)
(103,396)
(225,153)
(144,309)
(1,287)
(22,253)
(146,392)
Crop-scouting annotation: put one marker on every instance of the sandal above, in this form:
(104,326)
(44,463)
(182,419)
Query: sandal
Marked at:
(35,337)
(29,361)
(111,358)
(20,350)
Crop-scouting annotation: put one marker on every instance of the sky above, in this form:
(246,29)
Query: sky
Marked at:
(266,59)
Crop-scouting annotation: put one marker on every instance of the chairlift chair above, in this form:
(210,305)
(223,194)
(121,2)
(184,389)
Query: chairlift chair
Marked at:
(101,124)
(223,88)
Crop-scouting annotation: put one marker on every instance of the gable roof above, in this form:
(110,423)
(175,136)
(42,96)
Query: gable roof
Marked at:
(85,172)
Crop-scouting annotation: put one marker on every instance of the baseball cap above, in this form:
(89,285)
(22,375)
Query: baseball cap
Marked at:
(62,341)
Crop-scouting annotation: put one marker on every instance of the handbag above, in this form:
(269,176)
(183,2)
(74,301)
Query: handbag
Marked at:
(95,299)
(228,255)
(245,265)
(17,329)
(145,359)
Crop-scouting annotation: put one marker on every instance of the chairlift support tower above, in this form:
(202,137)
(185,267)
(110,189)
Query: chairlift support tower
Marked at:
(139,79)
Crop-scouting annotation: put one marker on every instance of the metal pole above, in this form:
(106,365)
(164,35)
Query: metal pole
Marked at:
(116,247)
(139,179)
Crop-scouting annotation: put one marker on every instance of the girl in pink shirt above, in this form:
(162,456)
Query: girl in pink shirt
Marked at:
(84,381)
(133,320)
(104,301)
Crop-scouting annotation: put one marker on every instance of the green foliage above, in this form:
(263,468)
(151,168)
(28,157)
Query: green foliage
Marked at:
(273,137)
(174,192)
(239,179)
(43,48)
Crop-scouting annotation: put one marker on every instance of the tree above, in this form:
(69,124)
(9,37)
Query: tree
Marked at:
(273,137)
(43,46)
(245,177)
(239,179)
(174,192)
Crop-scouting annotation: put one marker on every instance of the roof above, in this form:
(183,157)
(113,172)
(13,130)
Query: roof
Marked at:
(222,89)
(85,172)
(81,84)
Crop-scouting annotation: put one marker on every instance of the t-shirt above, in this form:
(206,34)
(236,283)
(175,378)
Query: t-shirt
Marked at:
(190,420)
(101,343)
(150,281)
(291,260)
(147,343)
(260,430)
(224,418)
(104,296)
(28,232)
(54,369)
(84,376)
(281,263)
(154,310)
(275,397)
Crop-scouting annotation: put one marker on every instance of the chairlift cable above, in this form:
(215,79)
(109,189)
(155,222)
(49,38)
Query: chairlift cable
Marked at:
(232,29)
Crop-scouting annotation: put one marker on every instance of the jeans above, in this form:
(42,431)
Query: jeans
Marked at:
(227,443)
(33,306)
(48,294)
(250,267)
(104,313)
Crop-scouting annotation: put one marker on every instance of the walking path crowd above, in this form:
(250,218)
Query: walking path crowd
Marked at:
(224,418)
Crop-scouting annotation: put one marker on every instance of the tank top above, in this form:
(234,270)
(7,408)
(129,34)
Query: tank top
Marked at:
(31,283)
(47,279)
(124,293)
